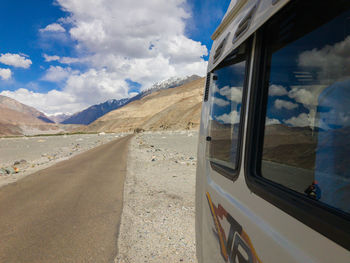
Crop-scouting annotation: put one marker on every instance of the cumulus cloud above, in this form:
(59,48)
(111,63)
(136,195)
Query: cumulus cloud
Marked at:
(62,60)
(279,104)
(277,90)
(50,102)
(269,121)
(231,118)
(15,60)
(221,102)
(57,73)
(81,91)
(97,86)
(302,120)
(50,58)
(306,95)
(69,60)
(5,73)
(54,27)
(142,41)
(232,93)
(332,61)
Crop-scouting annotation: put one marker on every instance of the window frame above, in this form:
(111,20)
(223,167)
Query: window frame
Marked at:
(330,222)
(225,171)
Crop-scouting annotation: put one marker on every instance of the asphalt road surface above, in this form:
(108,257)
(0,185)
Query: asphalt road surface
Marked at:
(69,212)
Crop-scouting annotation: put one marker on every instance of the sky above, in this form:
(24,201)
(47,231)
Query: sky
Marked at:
(61,56)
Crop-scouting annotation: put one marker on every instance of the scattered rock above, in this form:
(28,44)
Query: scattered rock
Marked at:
(10,170)
(3,171)
(138,130)
(21,162)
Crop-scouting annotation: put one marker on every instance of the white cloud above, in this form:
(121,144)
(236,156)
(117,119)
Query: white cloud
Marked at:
(69,60)
(308,120)
(277,90)
(231,118)
(332,62)
(302,120)
(307,95)
(221,102)
(63,60)
(269,121)
(54,27)
(5,73)
(51,102)
(232,93)
(279,104)
(50,58)
(57,74)
(95,86)
(81,91)
(143,41)
(15,60)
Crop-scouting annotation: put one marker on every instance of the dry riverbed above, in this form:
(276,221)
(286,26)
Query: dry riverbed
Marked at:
(22,156)
(157,222)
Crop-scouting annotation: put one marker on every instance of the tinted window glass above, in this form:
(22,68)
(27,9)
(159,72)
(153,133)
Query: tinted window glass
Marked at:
(226,101)
(307,128)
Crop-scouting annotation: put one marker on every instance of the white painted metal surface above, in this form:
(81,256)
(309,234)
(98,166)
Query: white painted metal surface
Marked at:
(275,236)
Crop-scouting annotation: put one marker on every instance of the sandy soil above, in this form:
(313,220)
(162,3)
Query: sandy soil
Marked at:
(157,223)
(42,152)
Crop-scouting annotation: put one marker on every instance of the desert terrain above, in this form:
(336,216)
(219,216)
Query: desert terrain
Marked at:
(157,220)
(157,223)
(21,156)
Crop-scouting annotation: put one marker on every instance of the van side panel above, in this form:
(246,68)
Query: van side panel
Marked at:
(233,224)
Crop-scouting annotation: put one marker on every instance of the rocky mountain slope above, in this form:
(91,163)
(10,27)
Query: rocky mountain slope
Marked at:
(94,112)
(11,104)
(19,119)
(172,108)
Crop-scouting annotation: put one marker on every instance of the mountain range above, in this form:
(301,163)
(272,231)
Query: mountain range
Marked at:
(94,112)
(172,108)
(164,106)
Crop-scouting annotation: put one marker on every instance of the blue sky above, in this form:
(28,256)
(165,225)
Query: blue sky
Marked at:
(62,56)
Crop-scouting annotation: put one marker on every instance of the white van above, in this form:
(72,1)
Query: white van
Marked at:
(273,172)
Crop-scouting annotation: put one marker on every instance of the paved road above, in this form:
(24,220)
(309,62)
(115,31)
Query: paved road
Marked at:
(69,212)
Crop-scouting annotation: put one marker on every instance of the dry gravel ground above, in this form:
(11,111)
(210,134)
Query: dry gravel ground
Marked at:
(157,222)
(43,151)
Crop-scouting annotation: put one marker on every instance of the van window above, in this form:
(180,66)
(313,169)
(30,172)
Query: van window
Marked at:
(307,127)
(226,105)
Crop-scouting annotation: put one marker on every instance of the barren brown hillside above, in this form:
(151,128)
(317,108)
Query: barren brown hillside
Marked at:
(175,109)
(19,119)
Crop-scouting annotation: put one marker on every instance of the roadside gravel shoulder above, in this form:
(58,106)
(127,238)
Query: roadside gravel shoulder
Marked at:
(157,222)
(30,154)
